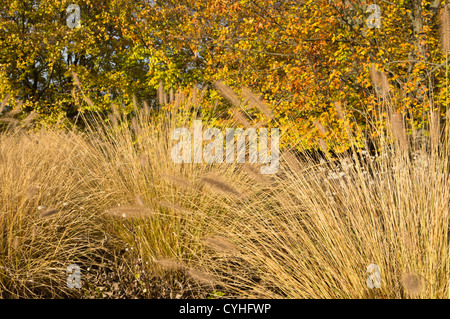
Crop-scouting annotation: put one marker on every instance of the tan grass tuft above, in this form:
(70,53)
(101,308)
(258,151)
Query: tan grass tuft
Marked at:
(398,129)
(16,243)
(135,125)
(384,85)
(3,103)
(10,120)
(380,81)
(162,97)
(171,95)
(140,201)
(32,191)
(33,115)
(258,102)
(194,96)
(175,208)
(339,110)
(76,80)
(445,30)
(170,264)
(178,101)
(146,108)
(323,146)
(16,110)
(374,75)
(129,212)
(201,276)
(115,110)
(135,103)
(88,101)
(240,118)
(144,161)
(78,84)
(256,174)
(412,283)
(292,161)
(220,186)
(178,181)
(48,212)
(435,130)
(228,93)
(220,244)
(321,128)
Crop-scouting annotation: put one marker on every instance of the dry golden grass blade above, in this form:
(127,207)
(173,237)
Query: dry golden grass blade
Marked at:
(342,115)
(182,100)
(260,125)
(33,232)
(129,212)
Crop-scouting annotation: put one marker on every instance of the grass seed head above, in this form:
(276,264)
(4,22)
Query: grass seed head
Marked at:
(412,283)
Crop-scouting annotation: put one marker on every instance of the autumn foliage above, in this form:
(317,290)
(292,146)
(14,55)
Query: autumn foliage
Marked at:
(302,57)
